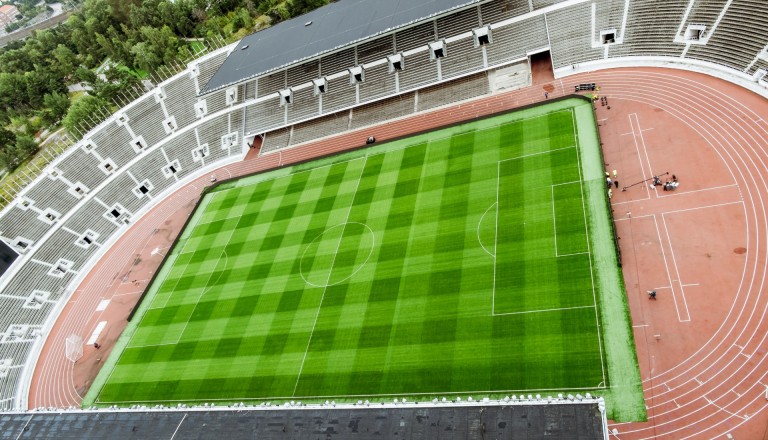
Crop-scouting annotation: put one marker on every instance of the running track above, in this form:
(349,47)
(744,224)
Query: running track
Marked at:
(717,382)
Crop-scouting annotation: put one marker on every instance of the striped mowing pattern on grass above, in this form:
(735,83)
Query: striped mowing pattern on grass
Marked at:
(451,262)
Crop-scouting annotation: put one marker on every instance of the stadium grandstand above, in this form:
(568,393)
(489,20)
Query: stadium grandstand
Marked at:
(345,67)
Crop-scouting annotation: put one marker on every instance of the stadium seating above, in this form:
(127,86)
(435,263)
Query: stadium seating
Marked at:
(494,12)
(739,36)
(305,105)
(415,37)
(458,23)
(320,127)
(177,102)
(145,118)
(378,82)
(375,49)
(268,85)
(419,70)
(465,57)
(570,44)
(383,110)
(454,91)
(514,41)
(651,28)
(52,193)
(275,140)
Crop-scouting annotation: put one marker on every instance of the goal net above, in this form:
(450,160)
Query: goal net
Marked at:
(74,348)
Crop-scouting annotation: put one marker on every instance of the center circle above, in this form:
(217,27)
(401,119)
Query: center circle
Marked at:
(336,254)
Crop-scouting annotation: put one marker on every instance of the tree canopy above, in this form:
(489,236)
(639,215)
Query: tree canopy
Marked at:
(137,36)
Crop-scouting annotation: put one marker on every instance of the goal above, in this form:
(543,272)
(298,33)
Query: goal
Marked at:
(74,347)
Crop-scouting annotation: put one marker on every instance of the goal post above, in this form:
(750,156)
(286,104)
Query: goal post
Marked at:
(74,347)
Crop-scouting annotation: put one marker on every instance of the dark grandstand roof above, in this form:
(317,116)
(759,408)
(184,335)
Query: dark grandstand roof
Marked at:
(335,25)
(532,422)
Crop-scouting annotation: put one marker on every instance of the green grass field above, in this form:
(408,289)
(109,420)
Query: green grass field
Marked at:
(477,259)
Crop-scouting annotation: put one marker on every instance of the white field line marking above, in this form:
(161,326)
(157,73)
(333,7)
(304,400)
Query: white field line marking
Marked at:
(541,153)
(304,253)
(330,271)
(478,231)
(207,289)
(666,268)
(559,309)
(589,248)
(498,178)
(496,239)
(566,183)
(639,157)
(554,218)
(677,270)
(574,254)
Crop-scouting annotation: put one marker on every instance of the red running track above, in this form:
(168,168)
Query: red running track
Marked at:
(703,247)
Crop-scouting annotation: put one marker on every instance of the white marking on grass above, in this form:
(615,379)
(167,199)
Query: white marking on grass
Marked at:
(554,219)
(566,183)
(573,254)
(541,153)
(358,269)
(589,249)
(207,287)
(478,230)
(496,239)
(325,289)
(559,309)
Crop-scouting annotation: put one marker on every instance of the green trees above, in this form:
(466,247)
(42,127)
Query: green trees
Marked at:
(132,35)
(15,149)
(83,115)
(303,6)
(56,107)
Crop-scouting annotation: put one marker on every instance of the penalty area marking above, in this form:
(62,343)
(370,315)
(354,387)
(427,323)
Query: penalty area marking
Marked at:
(479,223)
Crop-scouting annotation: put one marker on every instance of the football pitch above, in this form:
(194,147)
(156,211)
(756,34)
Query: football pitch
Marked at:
(475,260)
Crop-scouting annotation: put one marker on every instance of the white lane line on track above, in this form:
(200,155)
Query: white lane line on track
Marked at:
(739,289)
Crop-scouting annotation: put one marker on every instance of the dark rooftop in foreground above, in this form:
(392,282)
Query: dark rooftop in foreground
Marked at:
(332,26)
(550,422)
